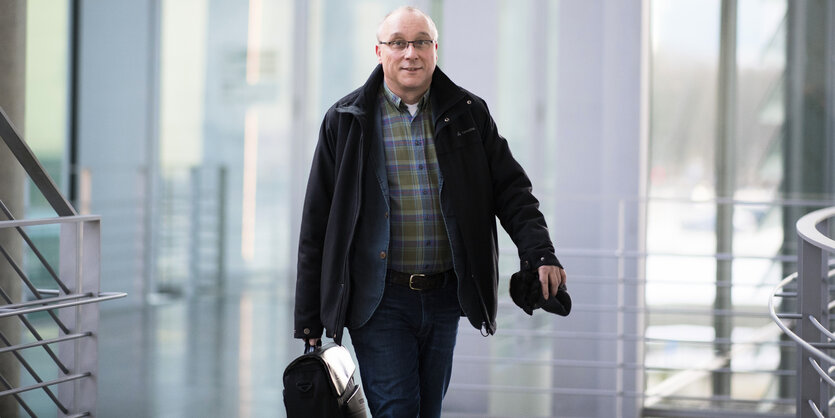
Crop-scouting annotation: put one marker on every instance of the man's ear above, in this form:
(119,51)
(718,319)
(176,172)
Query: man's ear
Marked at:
(378,52)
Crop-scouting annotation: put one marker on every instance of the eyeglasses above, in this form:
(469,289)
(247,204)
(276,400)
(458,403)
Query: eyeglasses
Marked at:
(420,44)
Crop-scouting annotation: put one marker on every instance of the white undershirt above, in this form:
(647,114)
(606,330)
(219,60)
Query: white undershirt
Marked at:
(413,108)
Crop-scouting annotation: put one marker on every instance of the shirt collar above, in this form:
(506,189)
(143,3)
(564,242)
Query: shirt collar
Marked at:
(398,103)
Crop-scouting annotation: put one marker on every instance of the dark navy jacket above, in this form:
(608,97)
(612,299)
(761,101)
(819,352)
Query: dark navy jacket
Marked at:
(345,221)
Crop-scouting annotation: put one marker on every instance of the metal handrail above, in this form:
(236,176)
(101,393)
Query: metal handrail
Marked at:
(50,221)
(43,301)
(35,250)
(825,376)
(816,249)
(78,284)
(815,409)
(45,384)
(33,167)
(45,342)
(786,330)
(103,296)
(807,229)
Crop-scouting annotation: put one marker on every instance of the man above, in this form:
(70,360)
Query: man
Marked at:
(398,237)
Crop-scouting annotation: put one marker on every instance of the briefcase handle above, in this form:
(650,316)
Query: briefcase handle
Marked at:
(309,348)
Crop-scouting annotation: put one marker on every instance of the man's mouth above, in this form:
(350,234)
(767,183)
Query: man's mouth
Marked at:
(411,68)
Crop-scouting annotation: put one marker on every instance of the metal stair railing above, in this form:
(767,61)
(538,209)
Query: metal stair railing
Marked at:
(812,334)
(71,304)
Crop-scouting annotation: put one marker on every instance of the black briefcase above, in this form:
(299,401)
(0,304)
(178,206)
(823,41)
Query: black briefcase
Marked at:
(320,383)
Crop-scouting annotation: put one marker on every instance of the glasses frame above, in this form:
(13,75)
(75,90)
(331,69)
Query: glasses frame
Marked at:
(414,44)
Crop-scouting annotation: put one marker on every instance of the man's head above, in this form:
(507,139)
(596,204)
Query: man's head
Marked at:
(408,67)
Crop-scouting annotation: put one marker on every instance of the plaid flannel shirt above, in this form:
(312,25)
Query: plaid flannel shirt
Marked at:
(419,241)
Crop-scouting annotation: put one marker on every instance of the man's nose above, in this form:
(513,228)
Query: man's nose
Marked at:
(410,51)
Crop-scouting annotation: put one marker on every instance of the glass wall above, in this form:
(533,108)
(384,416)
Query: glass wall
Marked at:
(47,115)
(199,120)
(243,87)
(717,135)
(46,131)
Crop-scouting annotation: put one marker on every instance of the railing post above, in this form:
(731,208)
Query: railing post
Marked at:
(195,242)
(813,297)
(81,242)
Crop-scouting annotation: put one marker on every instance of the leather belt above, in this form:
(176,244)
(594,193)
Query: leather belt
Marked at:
(420,281)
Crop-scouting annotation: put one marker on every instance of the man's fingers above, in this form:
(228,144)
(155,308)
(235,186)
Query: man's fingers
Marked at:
(551,277)
(554,281)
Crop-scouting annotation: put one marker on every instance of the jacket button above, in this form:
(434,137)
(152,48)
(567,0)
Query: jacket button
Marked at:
(446,119)
(386,215)
(382,255)
(306,331)
(469,102)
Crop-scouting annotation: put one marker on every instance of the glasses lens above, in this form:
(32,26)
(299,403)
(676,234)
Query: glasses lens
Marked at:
(422,44)
(402,45)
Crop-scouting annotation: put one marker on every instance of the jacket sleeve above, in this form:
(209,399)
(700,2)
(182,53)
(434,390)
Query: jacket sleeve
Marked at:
(317,203)
(514,202)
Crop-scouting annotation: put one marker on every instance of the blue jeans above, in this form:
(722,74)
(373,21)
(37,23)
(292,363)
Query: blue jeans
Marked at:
(405,351)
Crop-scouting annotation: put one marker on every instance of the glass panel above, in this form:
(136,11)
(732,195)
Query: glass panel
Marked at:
(225,141)
(681,231)
(46,118)
(46,133)
(684,36)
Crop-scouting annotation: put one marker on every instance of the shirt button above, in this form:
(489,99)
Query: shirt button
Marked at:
(382,255)
(428,242)
(420,167)
(386,215)
(424,192)
(417,143)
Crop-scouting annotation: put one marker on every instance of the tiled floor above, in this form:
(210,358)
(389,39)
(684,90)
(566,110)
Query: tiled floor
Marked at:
(207,356)
(213,356)
(224,355)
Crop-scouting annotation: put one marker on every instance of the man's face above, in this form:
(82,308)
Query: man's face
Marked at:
(407,72)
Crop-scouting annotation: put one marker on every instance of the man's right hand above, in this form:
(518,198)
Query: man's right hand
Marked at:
(313,342)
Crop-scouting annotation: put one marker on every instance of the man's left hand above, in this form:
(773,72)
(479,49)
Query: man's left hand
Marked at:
(551,277)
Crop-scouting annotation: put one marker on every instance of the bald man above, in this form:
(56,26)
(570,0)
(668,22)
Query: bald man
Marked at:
(398,236)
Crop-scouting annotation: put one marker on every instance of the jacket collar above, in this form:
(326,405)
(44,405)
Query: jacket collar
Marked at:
(364,98)
(445,93)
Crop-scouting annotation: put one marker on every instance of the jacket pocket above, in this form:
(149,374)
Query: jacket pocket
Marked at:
(460,134)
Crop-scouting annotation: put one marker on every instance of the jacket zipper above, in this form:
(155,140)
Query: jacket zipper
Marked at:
(340,313)
(451,246)
(486,317)
(485,327)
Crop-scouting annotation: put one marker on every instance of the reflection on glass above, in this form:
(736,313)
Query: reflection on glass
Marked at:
(681,238)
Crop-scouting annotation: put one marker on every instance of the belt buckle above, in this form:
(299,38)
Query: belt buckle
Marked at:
(411,281)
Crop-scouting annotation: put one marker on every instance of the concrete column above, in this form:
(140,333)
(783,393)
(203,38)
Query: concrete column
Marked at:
(12,91)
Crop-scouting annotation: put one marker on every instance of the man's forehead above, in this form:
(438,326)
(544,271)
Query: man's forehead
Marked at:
(399,34)
(397,22)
